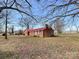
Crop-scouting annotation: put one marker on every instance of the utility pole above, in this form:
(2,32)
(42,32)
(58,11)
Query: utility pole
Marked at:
(6,24)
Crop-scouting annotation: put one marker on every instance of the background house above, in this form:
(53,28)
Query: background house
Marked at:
(40,32)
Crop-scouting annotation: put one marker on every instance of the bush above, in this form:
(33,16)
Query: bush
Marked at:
(3,34)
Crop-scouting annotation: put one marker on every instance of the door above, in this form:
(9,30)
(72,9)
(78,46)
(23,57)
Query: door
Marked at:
(28,33)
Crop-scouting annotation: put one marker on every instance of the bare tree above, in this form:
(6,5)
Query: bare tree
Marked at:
(19,5)
(11,30)
(24,22)
(6,21)
(59,25)
(60,9)
(1,27)
(57,8)
(27,22)
(16,5)
(53,8)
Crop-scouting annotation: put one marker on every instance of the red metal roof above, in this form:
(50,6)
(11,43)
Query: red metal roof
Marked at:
(38,29)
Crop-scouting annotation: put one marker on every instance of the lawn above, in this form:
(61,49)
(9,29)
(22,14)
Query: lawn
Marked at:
(65,46)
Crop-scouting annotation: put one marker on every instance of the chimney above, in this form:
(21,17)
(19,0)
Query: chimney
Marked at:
(46,25)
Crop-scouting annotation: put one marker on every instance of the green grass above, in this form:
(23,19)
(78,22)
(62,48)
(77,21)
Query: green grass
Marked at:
(65,46)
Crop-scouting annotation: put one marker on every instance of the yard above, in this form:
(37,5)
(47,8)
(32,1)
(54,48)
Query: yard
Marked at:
(66,46)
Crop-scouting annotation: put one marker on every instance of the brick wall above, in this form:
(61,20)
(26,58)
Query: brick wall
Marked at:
(41,33)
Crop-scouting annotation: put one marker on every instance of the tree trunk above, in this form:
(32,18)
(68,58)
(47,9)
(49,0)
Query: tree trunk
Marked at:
(6,25)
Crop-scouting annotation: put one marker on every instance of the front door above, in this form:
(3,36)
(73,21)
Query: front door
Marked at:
(28,33)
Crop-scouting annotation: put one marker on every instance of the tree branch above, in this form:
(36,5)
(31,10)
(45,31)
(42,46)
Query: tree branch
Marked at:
(2,8)
(28,3)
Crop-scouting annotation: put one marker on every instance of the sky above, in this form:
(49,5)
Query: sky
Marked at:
(38,11)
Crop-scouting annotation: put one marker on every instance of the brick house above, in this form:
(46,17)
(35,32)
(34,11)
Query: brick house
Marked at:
(40,32)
